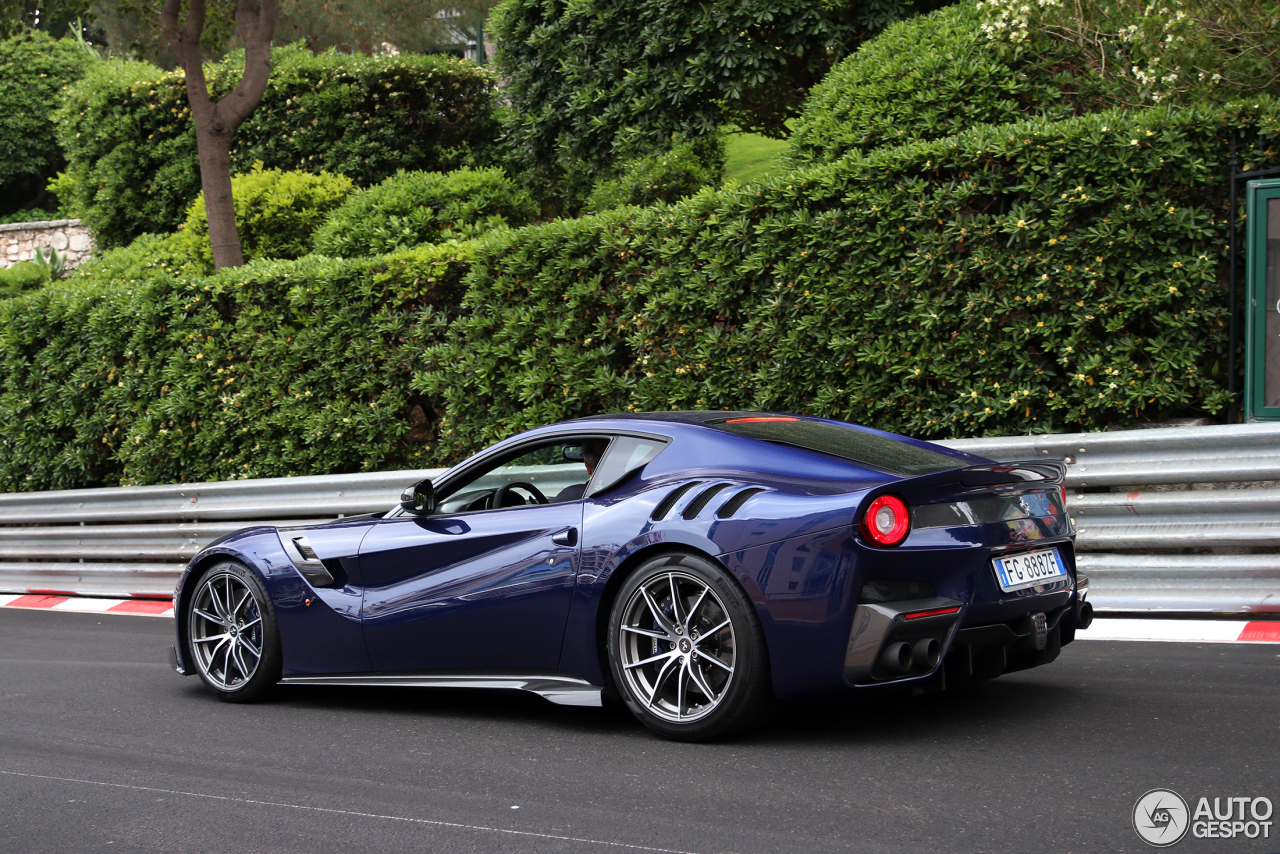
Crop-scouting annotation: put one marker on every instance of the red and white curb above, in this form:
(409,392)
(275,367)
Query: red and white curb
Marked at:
(1103,628)
(88,605)
(1190,631)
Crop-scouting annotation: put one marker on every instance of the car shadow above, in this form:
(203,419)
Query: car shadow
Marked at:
(1002,708)
(493,706)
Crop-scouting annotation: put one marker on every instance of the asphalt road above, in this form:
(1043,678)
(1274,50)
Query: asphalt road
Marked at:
(103,748)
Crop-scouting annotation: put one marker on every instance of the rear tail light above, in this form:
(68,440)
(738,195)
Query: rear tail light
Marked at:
(886,521)
(1063,491)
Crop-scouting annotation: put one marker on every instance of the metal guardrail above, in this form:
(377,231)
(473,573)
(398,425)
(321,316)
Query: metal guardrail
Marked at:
(1147,548)
(133,541)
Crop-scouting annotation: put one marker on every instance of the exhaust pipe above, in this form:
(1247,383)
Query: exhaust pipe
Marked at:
(927,652)
(1085,618)
(896,658)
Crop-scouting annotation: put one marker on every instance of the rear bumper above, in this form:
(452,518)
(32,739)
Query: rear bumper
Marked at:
(971,653)
(874,655)
(985,652)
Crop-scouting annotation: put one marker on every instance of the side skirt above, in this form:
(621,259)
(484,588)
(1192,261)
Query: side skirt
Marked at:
(558,688)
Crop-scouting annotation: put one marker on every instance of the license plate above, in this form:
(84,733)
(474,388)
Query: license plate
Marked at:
(1029,569)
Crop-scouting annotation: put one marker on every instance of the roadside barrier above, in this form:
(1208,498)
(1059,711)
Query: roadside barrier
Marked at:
(1178,519)
(133,541)
(1174,519)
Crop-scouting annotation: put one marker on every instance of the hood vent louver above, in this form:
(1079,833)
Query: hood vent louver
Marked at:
(660,512)
(703,499)
(735,503)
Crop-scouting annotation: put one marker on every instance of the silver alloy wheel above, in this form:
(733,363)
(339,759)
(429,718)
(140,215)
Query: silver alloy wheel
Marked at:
(226,631)
(677,646)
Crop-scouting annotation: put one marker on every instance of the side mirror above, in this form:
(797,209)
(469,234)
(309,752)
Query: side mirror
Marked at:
(419,498)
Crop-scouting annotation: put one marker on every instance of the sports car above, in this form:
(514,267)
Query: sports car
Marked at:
(703,568)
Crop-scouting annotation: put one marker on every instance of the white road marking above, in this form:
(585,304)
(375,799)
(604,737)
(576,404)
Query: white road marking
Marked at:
(450,824)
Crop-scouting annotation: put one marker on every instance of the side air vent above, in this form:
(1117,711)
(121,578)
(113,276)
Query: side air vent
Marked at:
(660,512)
(735,503)
(704,498)
(892,590)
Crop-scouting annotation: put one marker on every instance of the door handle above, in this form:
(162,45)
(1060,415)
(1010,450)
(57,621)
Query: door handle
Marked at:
(567,537)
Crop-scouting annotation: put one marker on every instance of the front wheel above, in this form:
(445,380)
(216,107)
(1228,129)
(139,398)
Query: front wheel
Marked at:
(232,635)
(687,652)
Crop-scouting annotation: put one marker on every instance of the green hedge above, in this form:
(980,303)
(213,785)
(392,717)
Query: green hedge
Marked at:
(595,82)
(276,213)
(411,208)
(23,276)
(1035,277)
(33,70)
(931,77)
(137,371)
(665,177)
(130,145)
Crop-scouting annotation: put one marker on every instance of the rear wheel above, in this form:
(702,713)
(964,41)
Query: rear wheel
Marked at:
(232,635)
(687,652)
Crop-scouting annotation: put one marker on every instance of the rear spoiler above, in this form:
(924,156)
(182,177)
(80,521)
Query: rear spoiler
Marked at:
(998,474)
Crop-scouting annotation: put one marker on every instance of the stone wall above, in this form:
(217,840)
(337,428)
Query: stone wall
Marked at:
(20,240)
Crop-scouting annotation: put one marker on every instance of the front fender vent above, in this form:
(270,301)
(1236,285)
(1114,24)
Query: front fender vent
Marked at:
(704,498)
(664,507)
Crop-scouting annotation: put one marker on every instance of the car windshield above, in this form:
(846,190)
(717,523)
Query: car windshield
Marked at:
(850,443)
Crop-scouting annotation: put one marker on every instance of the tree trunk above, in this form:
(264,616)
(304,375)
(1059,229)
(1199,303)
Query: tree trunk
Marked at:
(219,206)
(216,124)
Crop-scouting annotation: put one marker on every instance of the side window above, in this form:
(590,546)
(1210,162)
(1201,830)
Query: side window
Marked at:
(625,455)
(546,474)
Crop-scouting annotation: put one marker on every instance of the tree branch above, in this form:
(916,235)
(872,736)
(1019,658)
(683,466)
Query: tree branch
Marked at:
(256,25)
(184,41)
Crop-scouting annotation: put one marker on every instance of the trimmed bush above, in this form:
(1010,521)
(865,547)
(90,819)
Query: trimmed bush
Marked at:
(276,213)
(135,372)
(23,276)
(1034,277)
(1198,51)
(596,82)
(149,258)
(411,208)
(1006,60)
(289,367)
(666,177)
(130,144)
(928,78)
(33,70)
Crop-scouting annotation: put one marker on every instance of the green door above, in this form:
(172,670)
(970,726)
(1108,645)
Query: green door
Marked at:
(1262,337)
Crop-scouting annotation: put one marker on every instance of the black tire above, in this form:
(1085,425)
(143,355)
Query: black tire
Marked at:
(223,649)
(662,661)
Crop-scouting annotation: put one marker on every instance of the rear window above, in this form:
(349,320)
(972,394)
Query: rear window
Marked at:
(849,443)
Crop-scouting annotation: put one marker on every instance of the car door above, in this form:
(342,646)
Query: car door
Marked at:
(486,581)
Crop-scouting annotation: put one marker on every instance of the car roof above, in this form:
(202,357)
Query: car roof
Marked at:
(707,424)
(682,416)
